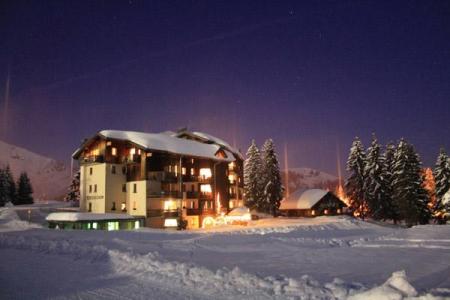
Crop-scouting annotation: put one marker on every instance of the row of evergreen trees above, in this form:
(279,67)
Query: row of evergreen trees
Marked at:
(441,174)
(390,184)
(262,179)
(17,194)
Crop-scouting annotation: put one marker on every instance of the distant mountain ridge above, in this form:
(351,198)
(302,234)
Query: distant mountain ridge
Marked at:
(50,178)
(300,178)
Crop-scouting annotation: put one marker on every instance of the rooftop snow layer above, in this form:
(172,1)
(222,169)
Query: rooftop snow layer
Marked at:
(303,199)
(165,142)
(74,217)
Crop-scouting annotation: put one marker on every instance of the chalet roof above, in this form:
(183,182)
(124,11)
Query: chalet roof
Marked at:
(209,139)
(303,199)
(164,142)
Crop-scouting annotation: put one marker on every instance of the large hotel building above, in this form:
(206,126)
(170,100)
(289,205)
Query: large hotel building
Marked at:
(162,178)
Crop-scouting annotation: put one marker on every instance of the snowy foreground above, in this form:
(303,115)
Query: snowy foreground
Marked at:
(321,258)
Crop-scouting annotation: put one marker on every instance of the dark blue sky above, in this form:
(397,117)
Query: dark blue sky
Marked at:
(312,74)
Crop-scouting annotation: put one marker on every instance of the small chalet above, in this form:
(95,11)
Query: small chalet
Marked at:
(310,203)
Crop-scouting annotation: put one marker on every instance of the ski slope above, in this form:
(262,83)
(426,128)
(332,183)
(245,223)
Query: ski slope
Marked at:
(320,258)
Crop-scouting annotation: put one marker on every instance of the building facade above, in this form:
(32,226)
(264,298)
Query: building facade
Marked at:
(169,178)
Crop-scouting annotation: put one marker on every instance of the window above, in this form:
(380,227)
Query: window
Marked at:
(149,154)
(205,173)
(192,171)
(192,188)
(205,189)
(113,206)
(113,169)
(123,207)
(114,151)
(134,205)
(132,151)
(192,161)
(183,170)
(170,168)
(124,170)
(124,187)
(90,188)
(108,143)
(90,207)
(95,188)
(90,171)
(94,225)
(134,188)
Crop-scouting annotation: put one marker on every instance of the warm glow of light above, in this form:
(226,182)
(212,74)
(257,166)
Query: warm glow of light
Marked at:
(218,206)
(208,222)
(325,211)
(113,151)
(170,205)
(341,194)
(183,170)
(132,151)
(170,223)
(231,165)
(123,206)
(231,178)
(205,173)
(313,212)
(430,185)
(205,188)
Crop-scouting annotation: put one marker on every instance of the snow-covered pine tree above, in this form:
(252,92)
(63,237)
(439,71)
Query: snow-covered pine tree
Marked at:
(73,194)
(24,190)
(389,210)
(11,185)
(253,188)
(354,185)
(441,174)
(273,188)
(374,180)
(410,196)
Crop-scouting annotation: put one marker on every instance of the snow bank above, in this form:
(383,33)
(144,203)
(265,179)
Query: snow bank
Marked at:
(152,269)
(9,220)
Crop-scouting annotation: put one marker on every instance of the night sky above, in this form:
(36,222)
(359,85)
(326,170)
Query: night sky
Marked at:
(312,74)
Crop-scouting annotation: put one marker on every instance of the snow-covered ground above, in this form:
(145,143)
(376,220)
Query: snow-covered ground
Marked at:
(320,258)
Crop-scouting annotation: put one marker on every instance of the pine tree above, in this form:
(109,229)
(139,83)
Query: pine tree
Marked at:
(374,180)
(253,189)
(24,190)
(354,186)
(441,174)
(73,193)
(389,210)
(273,188)
(4,188)
(410,196)
(11,185)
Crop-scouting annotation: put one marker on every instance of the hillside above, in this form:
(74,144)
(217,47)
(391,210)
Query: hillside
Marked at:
(309,178)
(49,177)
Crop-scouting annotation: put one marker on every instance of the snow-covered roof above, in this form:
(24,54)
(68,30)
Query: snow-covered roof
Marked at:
(167,142)
(76,216)
(303,199)
(212,139)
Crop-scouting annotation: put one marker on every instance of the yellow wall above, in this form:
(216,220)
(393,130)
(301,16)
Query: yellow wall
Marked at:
(137,202)
(114,191)
(98,176)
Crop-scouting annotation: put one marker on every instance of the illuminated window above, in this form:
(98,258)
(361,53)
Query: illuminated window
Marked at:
(94,225)
(205,189)
(95,152)
(170,169)
(170,205)
(192,161)
(176,169)
(205,173)
(123,207)
(326,211)
(108,143)
(170,223)
(183,170)
(132,151)
(313,212)
(149,154)
(231,178)
(113,151)
(139,151)
(339,211)
(231,165)
(136,225)
(192,171)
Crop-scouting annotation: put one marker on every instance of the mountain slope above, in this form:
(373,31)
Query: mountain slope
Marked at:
(49,177)
(300,178)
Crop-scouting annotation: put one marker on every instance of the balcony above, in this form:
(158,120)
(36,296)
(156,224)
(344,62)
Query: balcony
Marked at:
(165,194)
(205,196)
(192,195)
(161,176)
(162,213)
(93,159)
(203,179)
(198,211)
